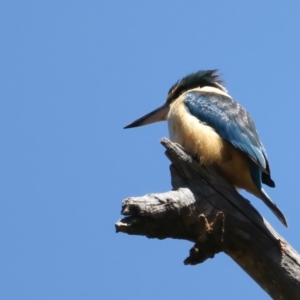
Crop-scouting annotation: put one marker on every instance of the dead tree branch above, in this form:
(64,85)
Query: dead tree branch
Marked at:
(204,209)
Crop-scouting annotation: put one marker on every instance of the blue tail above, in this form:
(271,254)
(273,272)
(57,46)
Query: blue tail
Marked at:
(264,197)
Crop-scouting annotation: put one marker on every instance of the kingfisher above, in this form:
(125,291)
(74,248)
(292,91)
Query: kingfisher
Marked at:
(205,120)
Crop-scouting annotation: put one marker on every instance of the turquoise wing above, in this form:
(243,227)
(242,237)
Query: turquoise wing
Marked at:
(234,124)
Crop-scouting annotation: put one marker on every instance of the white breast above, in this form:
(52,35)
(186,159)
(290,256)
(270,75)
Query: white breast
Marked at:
(196,137)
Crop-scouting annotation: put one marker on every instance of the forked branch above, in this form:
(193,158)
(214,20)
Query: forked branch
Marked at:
(204,209)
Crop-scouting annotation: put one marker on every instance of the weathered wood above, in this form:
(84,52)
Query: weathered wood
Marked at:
(205,209)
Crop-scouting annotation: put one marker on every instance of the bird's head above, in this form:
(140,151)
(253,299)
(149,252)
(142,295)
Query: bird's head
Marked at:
(198,79)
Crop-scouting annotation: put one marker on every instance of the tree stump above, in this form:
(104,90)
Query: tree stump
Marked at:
(204,209)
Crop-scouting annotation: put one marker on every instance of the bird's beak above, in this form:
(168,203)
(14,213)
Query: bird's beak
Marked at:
(159,114)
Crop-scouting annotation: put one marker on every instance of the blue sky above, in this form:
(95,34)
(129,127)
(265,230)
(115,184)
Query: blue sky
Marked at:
(72,74)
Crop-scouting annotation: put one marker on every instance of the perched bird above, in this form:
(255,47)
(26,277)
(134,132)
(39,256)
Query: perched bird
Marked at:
(205,120)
